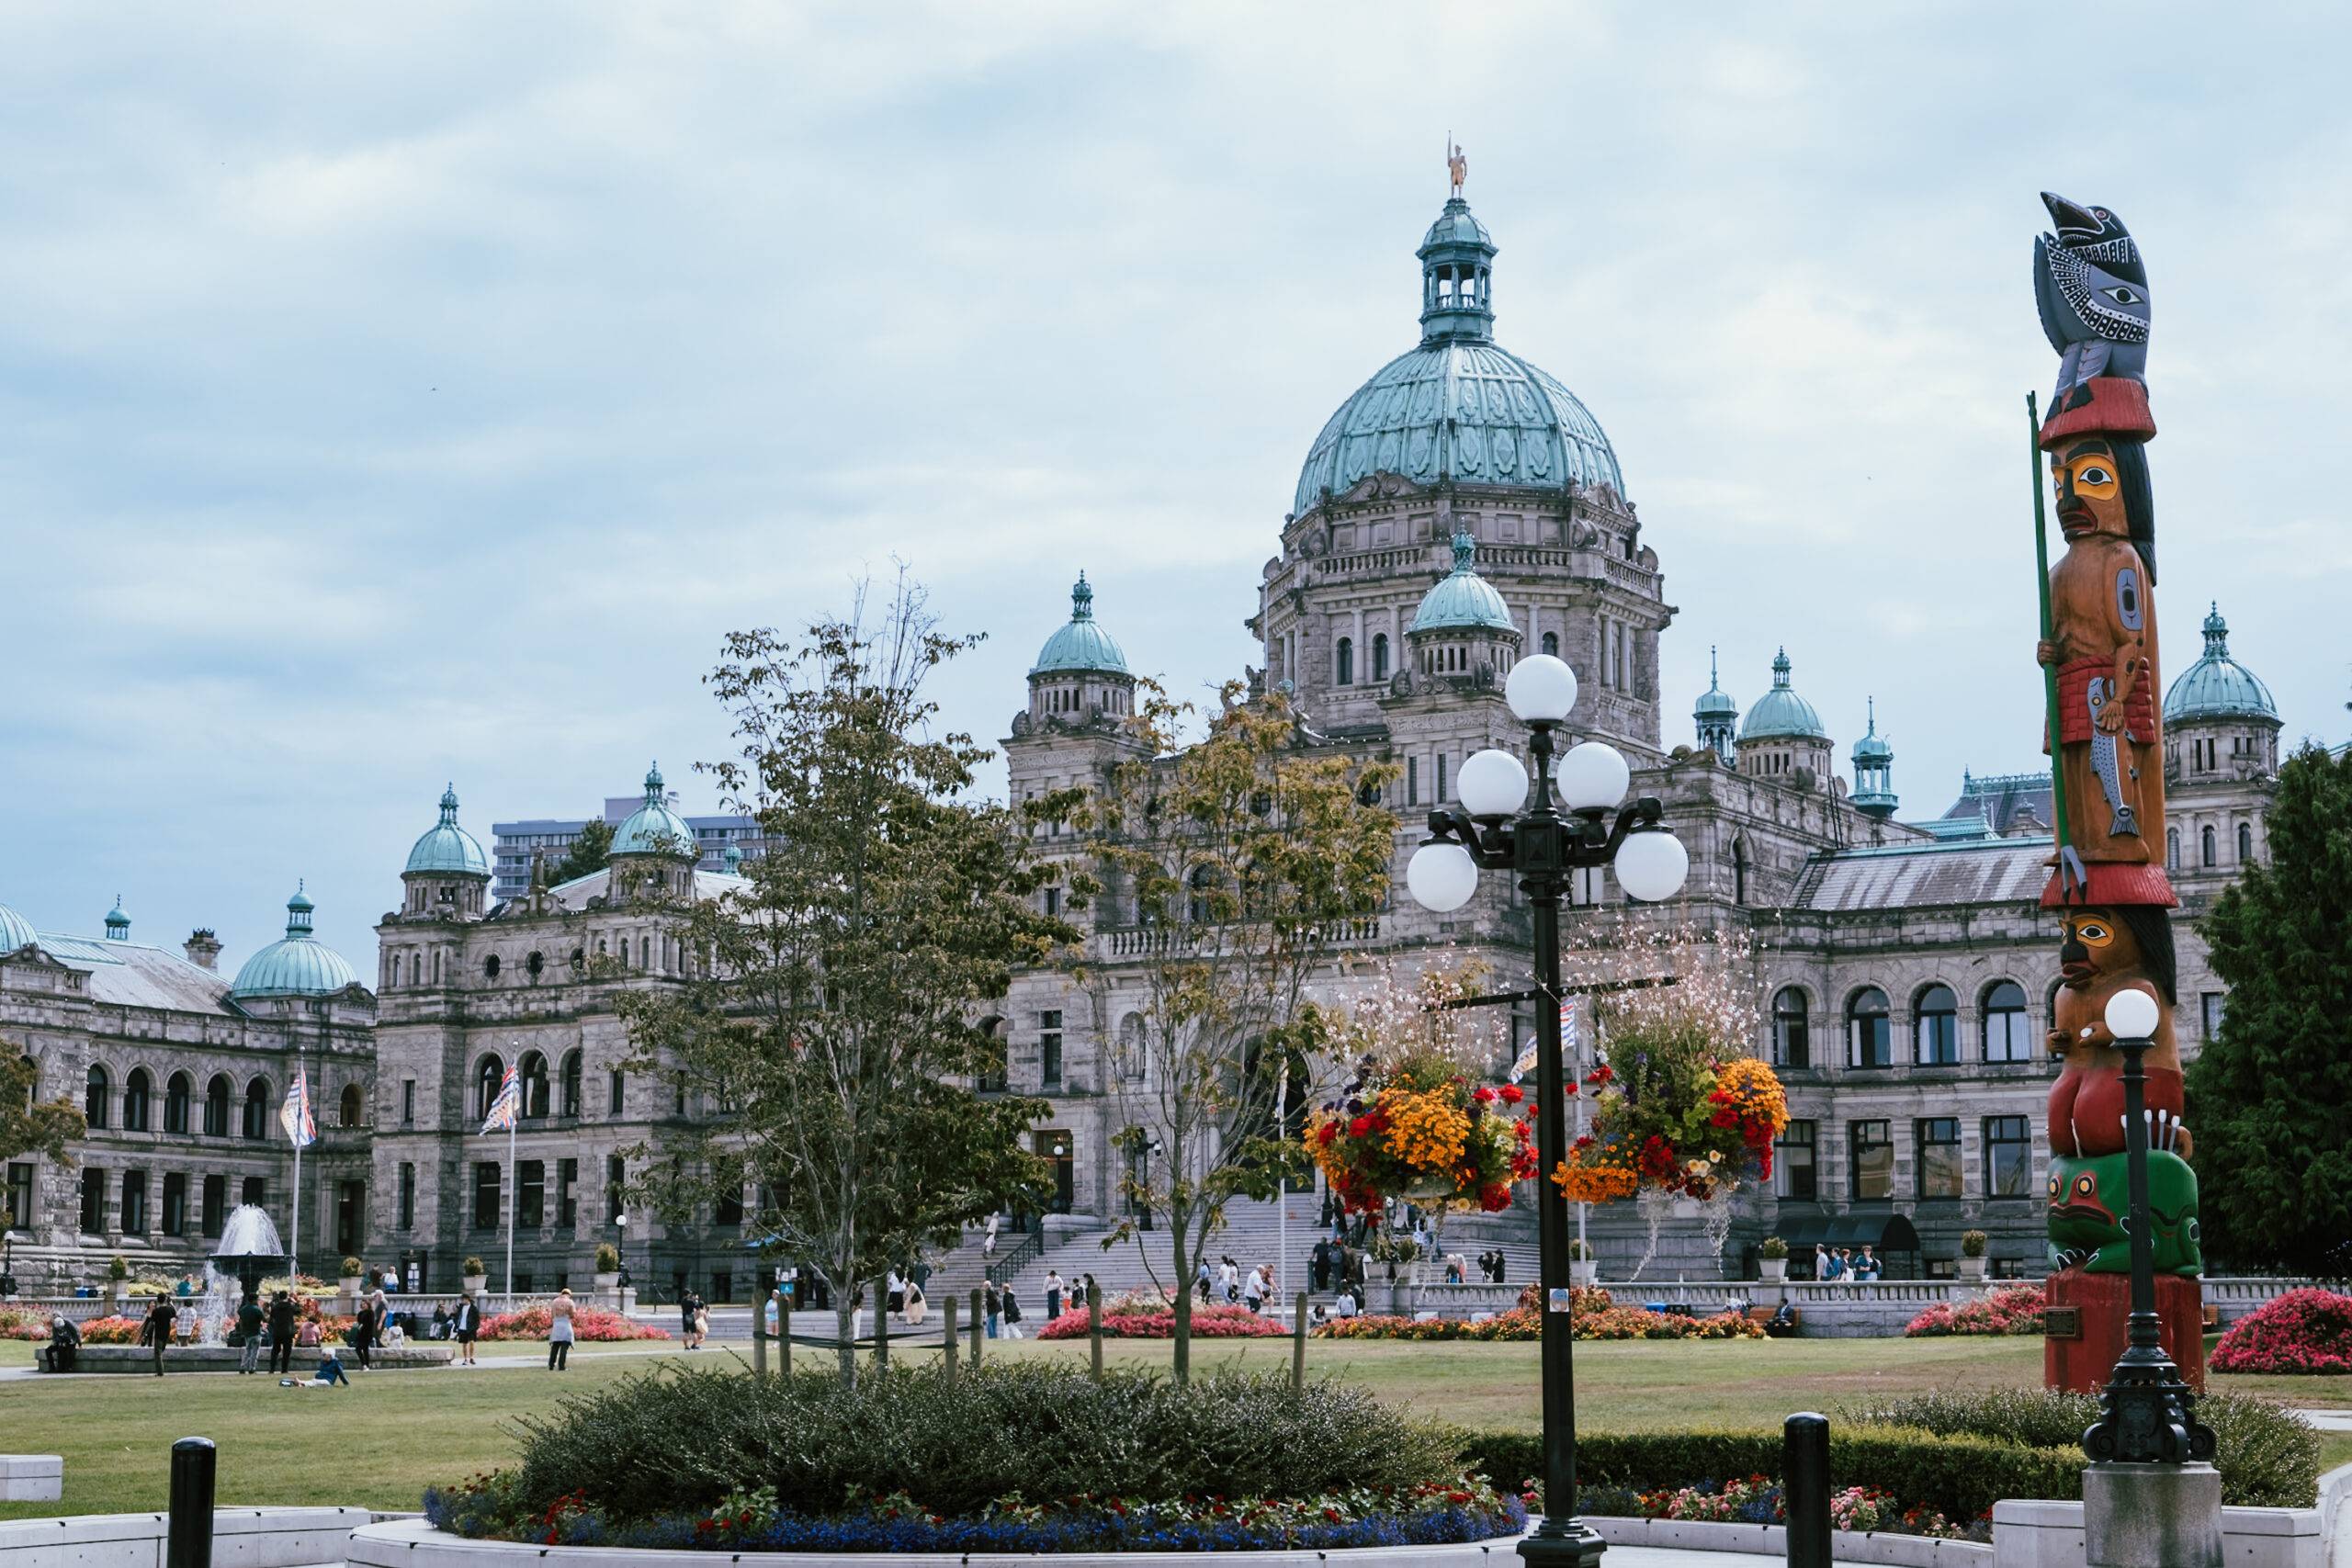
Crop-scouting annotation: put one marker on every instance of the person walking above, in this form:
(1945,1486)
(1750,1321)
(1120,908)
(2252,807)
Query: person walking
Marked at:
(1054,1291)
(362,1335)
(992,1307)
(1011,1313)
(1201,1284)
(1253,1291)
(916,1304)
(281,1333)
(560,1331)
(184,1321)
(466,1324)
(1318,1262)
(155,1330)
(987,1239)
(248,1324)
(1820,1260)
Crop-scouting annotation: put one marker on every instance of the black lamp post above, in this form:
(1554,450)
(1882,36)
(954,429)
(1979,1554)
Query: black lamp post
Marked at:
(2147,1413)
(1546,847)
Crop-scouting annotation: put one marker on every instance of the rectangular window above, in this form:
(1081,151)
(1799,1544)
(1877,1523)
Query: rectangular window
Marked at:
(134,1202)
(216,1204)
(408,1196)
(1796,1177)
(93,1200)
(1792,1038)
(1939,1156)
(486,1202)
(531,1192)
(1049,1047)
(522,1282)
(254,1190)
(175,1203)
(408,1099)
(2208,1014)
(1439,796)
(615,1180)
(2009,1157)
(1412,781)
(20,1197)
(729,1210)
(567,1193)
(613,1097)
(1870,1148)
(1052,902)
(1870,1041)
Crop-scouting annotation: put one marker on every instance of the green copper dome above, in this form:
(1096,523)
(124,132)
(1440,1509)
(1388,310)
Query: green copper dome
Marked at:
(1459,409)
(1714,702)
(297,965)
(118,923)
(1082,644)
(1462,598)
(1872,748)
(1781,712)
(15,932)
(653,829)
(2217,686)
(447,850)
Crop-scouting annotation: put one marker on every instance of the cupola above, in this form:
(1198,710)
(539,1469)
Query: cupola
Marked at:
(15,932)
(1716,714)
(298,964)
(447,874)
(1874,771)
(1462,629)
(1080,676)
(1783,737)
(118,923)
(2220,720)
(655,850)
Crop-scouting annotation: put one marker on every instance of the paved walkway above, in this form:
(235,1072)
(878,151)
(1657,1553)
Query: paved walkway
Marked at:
(2328,1420)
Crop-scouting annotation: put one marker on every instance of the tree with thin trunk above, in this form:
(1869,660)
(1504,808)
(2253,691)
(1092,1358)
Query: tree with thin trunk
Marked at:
(831,1023)
(29,1125)
(587,854)
(1248,861)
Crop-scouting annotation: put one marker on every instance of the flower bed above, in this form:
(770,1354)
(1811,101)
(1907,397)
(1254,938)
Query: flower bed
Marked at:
(17,1324)
(1143,1322)
(590,1326)
(2308,1330)
(1757,1501)
(1592,1315)
(125,1330)
(2016,1309)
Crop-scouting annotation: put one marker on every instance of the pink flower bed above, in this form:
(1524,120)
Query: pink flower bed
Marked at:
(2014,1310)
(1208,1323)
(590,1326)
(2308,1330)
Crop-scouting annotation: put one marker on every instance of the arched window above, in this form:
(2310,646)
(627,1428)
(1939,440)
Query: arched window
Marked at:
(1347,661)
(217,1096)
(2172,849)
(349,1112)
(534,1085)
(94,1097)
(490,967)
(1380,656)
(134,1102)
(1739,870)
(256,1118)
(1132,1052)
(1869,1038)
(1935,1027)
(1791,1030)
(2006,1036)
(1202,880)
(2246,843)
(645,953)
(1552,644)
(488,1073)
(571,1101)
(176,1095)
(415,969)
(2206,835)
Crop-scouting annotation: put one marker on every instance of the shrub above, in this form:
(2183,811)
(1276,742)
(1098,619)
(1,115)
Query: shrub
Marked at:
(1580,1251)
(353,1267)
(1973,1242)
(676,1439)
(473,1269)
(1773,1246)
(591,1326)
(2308,1330)
(2015,1309)
(119,1266)
(608,1258)
(18,1324)
(2268,1456)
(1144,1323)
(110,1330)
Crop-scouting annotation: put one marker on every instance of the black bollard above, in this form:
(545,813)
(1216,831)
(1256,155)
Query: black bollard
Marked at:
(1804,1488)
(194,1460)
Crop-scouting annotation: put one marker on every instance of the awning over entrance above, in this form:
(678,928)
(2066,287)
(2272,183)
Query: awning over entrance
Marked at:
(1882,1230)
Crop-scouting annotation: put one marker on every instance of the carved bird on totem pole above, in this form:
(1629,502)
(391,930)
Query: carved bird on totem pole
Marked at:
(2092,289)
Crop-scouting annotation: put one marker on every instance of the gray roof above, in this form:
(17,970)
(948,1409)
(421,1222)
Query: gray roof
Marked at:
(2001,799)
(1996,871)
(130,973)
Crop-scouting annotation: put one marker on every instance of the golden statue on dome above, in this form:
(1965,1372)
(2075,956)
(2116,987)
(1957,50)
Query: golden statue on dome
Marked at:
(1457,167)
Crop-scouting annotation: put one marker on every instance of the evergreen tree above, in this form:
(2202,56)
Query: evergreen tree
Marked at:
(2270,1098)
(588,852)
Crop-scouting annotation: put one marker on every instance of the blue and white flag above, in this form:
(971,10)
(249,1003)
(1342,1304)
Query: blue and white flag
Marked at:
(295,1115)
(507,1107)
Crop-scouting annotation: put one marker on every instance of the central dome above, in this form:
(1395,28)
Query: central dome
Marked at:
(1459,409)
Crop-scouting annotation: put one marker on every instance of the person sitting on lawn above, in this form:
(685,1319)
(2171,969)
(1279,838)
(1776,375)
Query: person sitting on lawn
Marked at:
(329,1375)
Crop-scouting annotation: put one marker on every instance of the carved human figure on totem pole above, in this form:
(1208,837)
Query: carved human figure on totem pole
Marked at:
(2109,949)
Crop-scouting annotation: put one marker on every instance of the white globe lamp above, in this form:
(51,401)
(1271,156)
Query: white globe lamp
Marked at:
(1492,785)
(1540,689)
(1442,877)
(2131,1014)
(1593,777)
(1651,866)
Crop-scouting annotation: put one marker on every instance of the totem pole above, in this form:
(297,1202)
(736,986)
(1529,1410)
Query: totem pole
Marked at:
(2098,648)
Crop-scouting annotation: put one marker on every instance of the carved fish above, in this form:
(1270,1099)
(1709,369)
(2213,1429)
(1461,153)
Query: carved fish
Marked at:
(2108,763)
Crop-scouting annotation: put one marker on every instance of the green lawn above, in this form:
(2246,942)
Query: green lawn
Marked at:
(381,1443)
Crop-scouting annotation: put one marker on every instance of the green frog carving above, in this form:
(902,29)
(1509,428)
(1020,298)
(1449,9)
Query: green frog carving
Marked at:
(2088,1200)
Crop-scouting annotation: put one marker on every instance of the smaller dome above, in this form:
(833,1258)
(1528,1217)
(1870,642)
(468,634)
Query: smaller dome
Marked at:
(1872,748)
(118,923)
(653,829)
(1082,644)
(1457,225)
(1781,712)
(447,850)
(1462,598)
(2217,686)
(299,964)
(15,932)
(1714,702)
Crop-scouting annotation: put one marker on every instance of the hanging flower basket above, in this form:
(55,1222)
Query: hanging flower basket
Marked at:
(1420,1129)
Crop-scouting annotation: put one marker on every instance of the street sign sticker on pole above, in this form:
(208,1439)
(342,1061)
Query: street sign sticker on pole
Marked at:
(1560,1299)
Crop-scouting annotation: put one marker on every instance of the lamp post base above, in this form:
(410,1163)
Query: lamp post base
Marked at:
(2152,1516)
(1570,1543)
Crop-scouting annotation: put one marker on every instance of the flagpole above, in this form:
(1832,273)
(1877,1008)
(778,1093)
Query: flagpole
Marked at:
(294,1242)
(510,1196)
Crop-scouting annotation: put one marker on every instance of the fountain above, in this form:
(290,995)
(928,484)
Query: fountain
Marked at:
(249,1249)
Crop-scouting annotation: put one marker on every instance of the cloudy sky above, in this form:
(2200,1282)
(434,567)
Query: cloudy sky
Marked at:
(398,394)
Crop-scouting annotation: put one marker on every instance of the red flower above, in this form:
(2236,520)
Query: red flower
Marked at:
(1359,1126)
(1483,1095)
(1331,1130)
(1512,1094)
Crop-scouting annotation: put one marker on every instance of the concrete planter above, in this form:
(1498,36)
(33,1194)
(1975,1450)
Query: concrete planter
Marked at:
(348,1286)
(31,1478)
(1972,1270)
(607,1284)
(252,1538)
(177,1359)
(412,1543)
(1772,1271)
(477,1283)
(1586,1272)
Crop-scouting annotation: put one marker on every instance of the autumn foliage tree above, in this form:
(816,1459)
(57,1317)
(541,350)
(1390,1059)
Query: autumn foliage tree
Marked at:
(829,1025)
(29,1125)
